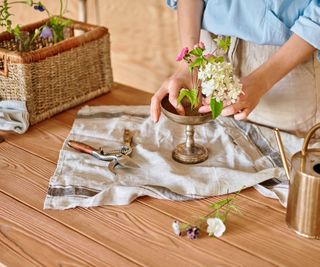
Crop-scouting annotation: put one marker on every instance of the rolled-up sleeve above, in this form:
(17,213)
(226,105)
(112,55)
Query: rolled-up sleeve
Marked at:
(172,3)
(307,26)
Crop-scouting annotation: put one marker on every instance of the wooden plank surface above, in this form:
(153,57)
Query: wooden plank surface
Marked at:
(35,239)
(141,233)
(137,234)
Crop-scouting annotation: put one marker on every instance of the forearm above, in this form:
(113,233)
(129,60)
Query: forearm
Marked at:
(291,54)
(189,21)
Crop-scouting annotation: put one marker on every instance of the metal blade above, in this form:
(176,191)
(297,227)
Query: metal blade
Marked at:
(127,162)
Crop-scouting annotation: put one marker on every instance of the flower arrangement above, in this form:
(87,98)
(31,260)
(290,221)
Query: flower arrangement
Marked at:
(214,75)
(213,223)
(53,31)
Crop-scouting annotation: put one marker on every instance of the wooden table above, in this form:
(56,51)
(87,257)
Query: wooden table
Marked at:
(135,235)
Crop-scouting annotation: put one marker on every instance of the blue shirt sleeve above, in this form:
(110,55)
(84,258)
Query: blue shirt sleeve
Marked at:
(307,26)
(172,3)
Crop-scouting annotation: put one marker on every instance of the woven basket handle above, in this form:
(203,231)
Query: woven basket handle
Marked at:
(4,68)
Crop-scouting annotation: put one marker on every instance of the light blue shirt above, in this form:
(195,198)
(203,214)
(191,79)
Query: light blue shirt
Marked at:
(269,22)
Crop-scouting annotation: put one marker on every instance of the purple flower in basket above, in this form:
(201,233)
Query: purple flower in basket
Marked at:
(39,7)
(46,33)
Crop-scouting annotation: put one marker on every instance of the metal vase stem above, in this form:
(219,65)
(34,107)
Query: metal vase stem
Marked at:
(188,152)
(189,137)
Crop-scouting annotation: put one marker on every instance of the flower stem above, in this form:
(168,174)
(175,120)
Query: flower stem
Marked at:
(17,2)
(61,8)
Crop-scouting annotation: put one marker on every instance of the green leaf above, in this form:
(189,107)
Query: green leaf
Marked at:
(198,62)
(223,43)
(192,95)
(17,31)
(196,52)
(216,107)
(182,94)
(211,59)
(219,59)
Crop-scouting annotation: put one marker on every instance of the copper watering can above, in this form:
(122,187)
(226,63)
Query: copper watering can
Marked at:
(303,208)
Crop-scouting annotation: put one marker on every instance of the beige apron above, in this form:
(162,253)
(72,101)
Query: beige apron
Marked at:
(293,103)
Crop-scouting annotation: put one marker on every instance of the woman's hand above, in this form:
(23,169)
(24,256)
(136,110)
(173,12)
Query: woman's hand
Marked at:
(189,21)
(254,86)
(180,79)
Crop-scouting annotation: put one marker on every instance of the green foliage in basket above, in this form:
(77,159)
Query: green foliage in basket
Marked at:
(53,29)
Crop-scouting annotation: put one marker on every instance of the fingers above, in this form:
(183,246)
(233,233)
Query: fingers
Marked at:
(155,104)
(230,110)
(204,109)
(239,111)
(171,87)
(242,115)
(226,103)
(174,88)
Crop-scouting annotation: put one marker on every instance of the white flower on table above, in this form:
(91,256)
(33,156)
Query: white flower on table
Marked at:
(216,227)
(176,228)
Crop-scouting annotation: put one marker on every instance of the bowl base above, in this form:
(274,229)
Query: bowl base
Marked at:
(196,154)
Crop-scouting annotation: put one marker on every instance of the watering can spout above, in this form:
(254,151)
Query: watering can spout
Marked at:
(281,149)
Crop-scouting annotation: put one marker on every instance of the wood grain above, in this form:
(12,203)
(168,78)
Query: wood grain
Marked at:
(139,233)
(32,237)
(258,230)
(147,233)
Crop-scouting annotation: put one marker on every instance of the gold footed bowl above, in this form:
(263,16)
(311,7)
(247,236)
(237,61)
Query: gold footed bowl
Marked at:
(188,152)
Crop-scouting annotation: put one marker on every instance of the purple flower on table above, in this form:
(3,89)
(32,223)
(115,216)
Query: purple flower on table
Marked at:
(46,33)
(193,232)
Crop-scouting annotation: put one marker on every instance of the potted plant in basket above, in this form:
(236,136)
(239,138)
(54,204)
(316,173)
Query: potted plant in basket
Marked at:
(45,68)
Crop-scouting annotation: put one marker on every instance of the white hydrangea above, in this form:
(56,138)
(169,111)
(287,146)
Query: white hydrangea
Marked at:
(217,80)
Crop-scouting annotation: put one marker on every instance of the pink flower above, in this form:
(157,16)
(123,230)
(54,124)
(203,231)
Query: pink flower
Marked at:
(182,54)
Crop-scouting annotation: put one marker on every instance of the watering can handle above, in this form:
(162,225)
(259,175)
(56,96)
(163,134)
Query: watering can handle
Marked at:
(308,138)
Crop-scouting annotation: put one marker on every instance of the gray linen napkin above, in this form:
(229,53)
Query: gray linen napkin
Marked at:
(241,155)
(14,116)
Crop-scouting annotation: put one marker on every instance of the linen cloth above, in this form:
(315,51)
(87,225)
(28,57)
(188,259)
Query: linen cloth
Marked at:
(241,155)
(14,116)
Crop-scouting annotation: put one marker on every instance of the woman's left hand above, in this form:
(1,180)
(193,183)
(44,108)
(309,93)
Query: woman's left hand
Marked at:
(254,87)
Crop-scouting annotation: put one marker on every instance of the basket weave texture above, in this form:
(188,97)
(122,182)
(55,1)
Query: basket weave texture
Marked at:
(58,77)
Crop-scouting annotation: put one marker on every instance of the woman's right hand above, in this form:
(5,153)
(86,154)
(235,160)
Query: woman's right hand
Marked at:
(180,79)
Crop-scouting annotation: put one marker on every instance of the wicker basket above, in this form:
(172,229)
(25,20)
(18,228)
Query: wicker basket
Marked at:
(57,77)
